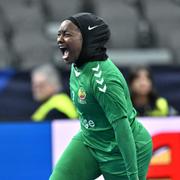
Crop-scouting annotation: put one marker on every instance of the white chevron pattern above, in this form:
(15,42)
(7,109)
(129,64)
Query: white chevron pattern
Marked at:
(100,81)
(98,75)
(96,68)
(103,89)
(77,73)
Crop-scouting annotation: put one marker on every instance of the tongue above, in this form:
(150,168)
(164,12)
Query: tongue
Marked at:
(65,55)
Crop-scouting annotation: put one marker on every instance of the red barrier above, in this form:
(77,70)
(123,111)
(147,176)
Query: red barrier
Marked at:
(171,170)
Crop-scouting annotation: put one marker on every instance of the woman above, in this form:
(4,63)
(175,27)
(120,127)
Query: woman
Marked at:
(111,142)
(144,96)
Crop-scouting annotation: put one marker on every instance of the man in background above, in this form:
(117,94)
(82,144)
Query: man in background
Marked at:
(47,90)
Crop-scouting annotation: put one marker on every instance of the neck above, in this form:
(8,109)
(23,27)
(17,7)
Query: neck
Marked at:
(98,56)
(141,100)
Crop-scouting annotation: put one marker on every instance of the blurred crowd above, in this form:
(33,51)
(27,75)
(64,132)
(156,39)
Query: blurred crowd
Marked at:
(34,83)
(43,94)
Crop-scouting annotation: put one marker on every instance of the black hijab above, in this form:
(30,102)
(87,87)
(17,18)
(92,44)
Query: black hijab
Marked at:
(95,33)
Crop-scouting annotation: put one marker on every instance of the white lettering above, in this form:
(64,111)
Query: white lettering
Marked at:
(87,124)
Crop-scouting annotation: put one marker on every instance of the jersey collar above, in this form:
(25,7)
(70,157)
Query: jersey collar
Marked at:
(77,73)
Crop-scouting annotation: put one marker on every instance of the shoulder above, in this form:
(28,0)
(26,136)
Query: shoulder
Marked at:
(109,67)
(161,102)
(106,69)
(58,98)
(105,76)
(161,107)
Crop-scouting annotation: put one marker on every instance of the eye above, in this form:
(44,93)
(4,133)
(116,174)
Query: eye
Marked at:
(67,34)
(59,33)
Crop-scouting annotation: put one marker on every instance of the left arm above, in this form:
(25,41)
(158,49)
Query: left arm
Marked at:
(126,144)
(114,104)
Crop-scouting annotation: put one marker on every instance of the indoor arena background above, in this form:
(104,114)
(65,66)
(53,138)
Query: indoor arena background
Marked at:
(144,32)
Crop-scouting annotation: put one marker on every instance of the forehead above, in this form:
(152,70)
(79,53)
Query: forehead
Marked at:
(143,72)
(67,25)
(37,76)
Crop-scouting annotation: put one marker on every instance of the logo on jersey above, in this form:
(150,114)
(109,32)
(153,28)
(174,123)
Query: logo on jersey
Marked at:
(82,95)
(88,123)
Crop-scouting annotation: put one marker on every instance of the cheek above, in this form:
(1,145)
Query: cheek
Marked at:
(139,88)
(35,89)
(39,92)
(135,86)
(77,48)
(149,87)
(147,84)
(78,44)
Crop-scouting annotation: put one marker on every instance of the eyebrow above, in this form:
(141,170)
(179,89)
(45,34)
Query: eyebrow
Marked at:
(59,31)
(63,31)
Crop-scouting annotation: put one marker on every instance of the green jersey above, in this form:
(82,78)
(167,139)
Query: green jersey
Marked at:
(101,96)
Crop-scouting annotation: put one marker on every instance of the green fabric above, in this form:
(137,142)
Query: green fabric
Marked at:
(126,144)
(115,177)
(116,166)
(76,163)
(97,109)
(102,99)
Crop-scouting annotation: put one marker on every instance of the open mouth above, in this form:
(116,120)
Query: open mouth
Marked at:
(65,52)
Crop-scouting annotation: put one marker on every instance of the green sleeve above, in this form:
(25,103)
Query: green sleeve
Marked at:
(126,144)
(113,101)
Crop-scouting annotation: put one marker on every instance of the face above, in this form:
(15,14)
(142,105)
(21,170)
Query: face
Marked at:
(69,41)
(142,84)
(41,88)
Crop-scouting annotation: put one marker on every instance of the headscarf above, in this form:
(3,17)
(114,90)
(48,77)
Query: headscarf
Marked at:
(95,33)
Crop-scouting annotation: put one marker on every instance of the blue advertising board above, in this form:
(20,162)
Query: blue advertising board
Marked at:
(25,151)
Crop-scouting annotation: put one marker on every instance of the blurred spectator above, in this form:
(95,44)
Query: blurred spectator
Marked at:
(177,2)
(146,36)
(88,6)
(46,10)
(144,96)
(47,89)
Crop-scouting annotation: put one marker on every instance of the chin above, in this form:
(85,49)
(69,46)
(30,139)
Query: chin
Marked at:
(69,61)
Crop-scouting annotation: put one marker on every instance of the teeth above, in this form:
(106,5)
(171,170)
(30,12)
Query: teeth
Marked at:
(61,47)
(65,54)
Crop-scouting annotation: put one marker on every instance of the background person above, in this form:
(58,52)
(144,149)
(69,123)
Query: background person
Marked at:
(144,95)
(47,89)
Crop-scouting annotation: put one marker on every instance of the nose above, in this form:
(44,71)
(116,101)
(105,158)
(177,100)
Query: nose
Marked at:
(59,39)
